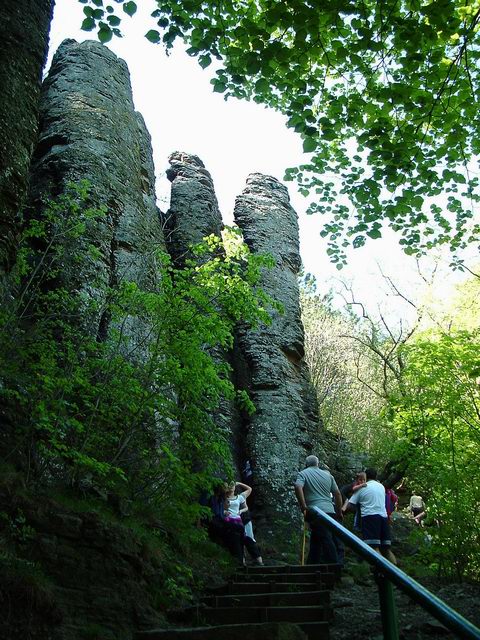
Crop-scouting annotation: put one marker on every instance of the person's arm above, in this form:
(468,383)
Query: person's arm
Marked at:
(358,486)
(337,496)
(300,497)
(245,489)
(352,503)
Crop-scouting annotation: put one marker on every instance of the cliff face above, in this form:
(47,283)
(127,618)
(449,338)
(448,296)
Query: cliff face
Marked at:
(89,130)
(24,27)
(270,359)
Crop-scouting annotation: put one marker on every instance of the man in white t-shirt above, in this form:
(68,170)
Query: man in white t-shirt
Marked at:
(375,527)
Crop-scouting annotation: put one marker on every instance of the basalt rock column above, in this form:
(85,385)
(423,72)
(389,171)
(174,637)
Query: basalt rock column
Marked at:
(24,27)
(271,358)
(90,130)
(193,215)
(193,212)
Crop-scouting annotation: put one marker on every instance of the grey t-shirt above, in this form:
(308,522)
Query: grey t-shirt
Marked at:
(318,485)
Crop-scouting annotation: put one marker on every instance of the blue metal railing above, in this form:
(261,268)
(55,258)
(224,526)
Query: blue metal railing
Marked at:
(388,574)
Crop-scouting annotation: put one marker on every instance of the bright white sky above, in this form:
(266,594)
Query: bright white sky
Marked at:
(233,139)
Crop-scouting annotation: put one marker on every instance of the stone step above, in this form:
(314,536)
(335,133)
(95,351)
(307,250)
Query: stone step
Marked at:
(318,576)
(262,631)
(291,568)
(278,599)
(242,614)
(233,588)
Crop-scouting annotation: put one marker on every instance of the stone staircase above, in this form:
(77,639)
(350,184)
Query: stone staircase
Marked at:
(286,602)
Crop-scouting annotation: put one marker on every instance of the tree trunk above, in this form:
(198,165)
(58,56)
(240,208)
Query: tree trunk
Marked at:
(24,28)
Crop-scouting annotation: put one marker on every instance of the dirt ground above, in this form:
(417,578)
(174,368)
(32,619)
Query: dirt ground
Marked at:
(357,609)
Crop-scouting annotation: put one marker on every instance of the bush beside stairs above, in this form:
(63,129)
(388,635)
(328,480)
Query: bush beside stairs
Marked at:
(289,602)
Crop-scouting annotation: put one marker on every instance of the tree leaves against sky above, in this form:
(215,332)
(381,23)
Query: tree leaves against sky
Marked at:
(384,94)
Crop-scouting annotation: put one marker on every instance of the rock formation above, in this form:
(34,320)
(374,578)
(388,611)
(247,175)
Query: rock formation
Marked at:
(270,359)
(193,215)
(193,212)
(24,27)
(91,131)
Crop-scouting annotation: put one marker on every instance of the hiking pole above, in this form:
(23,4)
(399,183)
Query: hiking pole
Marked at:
(304,537)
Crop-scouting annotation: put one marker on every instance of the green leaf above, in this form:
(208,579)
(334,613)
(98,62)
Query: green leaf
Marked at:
(104,34)
(153,36)
(130,7)
(88,24)
(113,21)
(204,61)
(309,145)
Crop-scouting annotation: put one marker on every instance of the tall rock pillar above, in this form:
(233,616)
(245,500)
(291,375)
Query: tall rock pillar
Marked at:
(24,28)
(193,212)
(270,359)
(91,131)
(193,215)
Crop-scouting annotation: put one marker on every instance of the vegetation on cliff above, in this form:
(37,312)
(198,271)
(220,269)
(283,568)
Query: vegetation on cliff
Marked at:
(126,421)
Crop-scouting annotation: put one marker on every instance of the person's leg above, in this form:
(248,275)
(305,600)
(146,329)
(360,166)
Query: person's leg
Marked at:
(388,554)
(253,549)
(386,541)
(322,546)
(233,537)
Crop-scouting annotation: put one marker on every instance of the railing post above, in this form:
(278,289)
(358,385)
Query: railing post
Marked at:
(388,608)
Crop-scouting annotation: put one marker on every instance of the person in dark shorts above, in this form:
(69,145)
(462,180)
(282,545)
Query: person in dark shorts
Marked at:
(375,527)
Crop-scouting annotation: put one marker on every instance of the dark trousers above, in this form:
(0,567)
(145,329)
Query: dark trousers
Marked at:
(324,546)
(232,536)
(252,547)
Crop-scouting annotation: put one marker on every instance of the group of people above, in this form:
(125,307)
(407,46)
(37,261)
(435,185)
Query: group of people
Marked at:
(316,491)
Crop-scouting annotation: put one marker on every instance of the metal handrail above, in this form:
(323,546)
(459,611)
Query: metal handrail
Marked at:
(389,573)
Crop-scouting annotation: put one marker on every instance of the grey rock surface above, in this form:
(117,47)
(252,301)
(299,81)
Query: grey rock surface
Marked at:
(271,358)
(193,212)
(90,130)
(24,27)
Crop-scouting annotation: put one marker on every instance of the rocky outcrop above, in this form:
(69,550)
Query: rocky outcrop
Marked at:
(193,212)
(91,131)
(24,27)
(270,359)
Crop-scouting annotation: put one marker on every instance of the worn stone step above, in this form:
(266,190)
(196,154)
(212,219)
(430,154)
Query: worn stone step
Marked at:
(306,598)
(291,568)
(224,615)
(262,631)
(317,576)
(233,588)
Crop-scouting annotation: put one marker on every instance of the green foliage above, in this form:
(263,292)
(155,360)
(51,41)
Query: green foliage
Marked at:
(132,411)
(437,420)
(345,373)
(385,96)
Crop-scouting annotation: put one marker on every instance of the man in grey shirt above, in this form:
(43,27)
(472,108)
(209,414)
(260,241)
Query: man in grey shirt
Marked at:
(314,488)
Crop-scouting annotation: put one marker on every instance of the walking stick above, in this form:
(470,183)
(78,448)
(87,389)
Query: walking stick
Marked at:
(304,537)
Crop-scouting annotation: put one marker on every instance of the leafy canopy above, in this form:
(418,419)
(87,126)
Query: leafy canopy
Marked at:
(385,95)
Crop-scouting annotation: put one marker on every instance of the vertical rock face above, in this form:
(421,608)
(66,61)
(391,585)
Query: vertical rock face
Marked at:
(193,215)
(193,212)
(90,130)
(24,27)
(270,361)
